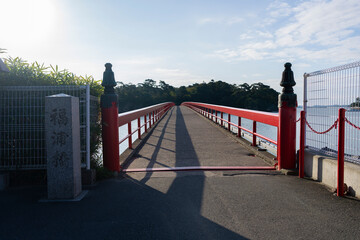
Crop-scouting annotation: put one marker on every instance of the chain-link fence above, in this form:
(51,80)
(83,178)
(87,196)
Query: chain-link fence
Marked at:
(325,92)
(22,129)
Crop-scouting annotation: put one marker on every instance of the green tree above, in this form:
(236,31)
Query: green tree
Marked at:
(356,103)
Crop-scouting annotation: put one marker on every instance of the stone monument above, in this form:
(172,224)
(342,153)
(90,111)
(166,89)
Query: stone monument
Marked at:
(62,129)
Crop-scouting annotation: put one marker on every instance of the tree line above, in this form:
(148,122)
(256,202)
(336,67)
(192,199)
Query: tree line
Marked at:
(257,96)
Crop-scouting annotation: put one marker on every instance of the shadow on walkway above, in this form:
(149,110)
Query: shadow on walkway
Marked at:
(178,212)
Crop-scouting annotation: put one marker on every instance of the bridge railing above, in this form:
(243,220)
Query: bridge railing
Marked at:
(150,116)
(285,120)
(211,111)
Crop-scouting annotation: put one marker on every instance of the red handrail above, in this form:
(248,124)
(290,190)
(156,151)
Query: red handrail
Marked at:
(257,116)
(126,117)
(155,112)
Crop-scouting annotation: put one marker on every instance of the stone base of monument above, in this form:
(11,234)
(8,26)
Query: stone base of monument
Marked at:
(76,199)
(88,177)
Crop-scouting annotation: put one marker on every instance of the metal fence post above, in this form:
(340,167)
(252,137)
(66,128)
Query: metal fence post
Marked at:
(302,144)
(341,151)
(287,121)
(87,127)
(109,117)
(239,129)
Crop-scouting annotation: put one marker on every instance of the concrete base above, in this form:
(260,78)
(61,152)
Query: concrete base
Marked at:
(76,199)
(4,181)
(324,170)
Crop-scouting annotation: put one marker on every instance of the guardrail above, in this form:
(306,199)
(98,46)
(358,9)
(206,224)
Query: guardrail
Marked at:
(211,111)
(285,120)
(150,114)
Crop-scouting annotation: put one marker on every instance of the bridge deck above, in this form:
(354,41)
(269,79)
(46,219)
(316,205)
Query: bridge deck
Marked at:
(184,139)
(186,205)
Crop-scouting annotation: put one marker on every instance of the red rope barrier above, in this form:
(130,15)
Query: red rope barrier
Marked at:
(298,119)
(351,124)
(332,126)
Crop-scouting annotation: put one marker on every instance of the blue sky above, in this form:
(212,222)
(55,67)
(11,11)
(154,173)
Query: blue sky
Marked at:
(184,42)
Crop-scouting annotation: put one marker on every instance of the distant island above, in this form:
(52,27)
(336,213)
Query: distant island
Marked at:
(355,105)
(257,96)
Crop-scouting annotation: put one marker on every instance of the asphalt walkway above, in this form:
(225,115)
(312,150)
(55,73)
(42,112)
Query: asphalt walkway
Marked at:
(186,205)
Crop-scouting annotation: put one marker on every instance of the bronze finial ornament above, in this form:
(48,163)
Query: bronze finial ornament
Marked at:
(287,82)
(109,97)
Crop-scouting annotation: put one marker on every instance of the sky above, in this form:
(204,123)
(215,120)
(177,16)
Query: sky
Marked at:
(186,41)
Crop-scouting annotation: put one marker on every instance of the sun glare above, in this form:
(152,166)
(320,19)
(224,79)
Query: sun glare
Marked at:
(27,22)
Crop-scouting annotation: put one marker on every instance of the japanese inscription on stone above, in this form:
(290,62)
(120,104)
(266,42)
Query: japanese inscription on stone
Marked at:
(62,130)
(58,117)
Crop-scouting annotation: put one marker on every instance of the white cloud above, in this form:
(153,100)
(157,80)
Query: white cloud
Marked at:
(279,9)
(318,30)
(245,36)
(321,22)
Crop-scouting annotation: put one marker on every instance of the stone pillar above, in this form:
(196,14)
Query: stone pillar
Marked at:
(62,130)
(286,151)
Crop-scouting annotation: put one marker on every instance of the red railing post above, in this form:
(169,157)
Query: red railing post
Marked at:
(341,151)
(254,136)
(286,149)
(130,135)
(139,129)
(302,144)
(239,129)
(109,121)
(229,120)
(145,122)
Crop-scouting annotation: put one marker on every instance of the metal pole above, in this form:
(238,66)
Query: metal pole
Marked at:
(239,129)
(341,150)
(305,100)
(88,127)
(302,144)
